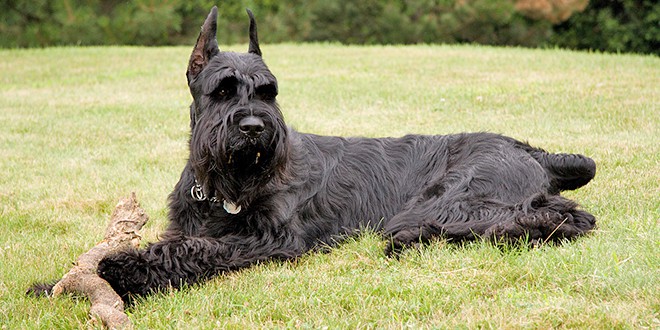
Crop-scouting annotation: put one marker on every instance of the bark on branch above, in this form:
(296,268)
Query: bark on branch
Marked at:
(122,233)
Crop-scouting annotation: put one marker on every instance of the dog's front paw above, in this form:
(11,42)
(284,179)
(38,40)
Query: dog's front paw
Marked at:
(41,289)
(127,273)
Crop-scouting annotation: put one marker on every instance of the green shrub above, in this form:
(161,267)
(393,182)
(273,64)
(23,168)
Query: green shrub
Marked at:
(97,22)
(608,25)
(492,22)
(613,26)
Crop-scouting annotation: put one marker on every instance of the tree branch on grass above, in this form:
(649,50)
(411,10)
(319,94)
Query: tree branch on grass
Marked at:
(122,233)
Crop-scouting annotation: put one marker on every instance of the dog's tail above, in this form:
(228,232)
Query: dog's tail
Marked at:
(566,171)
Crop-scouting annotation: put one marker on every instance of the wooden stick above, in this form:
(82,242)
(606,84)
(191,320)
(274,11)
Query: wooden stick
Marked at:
(121,234)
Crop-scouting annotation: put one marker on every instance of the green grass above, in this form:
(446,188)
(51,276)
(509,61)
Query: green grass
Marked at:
(82,127)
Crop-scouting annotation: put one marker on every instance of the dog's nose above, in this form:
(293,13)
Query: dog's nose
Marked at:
(251,126)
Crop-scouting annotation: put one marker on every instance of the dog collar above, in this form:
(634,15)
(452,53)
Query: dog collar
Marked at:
(197,193)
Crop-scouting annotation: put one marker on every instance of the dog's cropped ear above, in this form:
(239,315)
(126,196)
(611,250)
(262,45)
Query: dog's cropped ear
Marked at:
(254,41)
(206,46)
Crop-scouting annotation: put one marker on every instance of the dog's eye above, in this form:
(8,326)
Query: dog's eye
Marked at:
(226,88)
(224,92)
(266,92)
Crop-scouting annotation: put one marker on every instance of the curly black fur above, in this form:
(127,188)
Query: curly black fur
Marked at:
(298,192)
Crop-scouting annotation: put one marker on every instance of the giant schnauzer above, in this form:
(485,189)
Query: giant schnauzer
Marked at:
(254,189)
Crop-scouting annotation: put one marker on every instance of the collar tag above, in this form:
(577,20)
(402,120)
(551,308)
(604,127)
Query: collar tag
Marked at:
(231,207)
(197,192)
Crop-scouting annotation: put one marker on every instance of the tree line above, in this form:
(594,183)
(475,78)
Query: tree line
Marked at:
(603,25)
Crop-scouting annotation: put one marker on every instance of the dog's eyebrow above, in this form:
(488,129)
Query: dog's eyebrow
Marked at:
(212,83)
(268,88)
(256,79)
(261,79)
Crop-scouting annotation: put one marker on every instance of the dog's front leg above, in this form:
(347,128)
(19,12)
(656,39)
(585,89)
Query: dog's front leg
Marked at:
(186,260)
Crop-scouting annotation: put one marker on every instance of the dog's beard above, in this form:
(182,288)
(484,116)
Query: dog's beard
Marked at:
(229,164)
(246,153)
(221,146)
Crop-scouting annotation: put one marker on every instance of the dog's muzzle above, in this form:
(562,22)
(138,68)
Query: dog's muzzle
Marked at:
(251,126)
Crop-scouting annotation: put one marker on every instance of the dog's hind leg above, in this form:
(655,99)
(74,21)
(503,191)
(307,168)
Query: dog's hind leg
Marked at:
(540,218)
(454,218)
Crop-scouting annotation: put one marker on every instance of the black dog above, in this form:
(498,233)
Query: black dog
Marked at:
(254,189)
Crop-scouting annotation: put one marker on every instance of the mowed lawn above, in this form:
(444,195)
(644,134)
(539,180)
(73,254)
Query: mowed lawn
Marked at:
(82,127)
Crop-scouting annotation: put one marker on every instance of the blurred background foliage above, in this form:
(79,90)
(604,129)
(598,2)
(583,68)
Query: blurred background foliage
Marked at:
(605,25)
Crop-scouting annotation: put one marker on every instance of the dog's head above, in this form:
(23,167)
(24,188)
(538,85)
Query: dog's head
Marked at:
(238,135)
